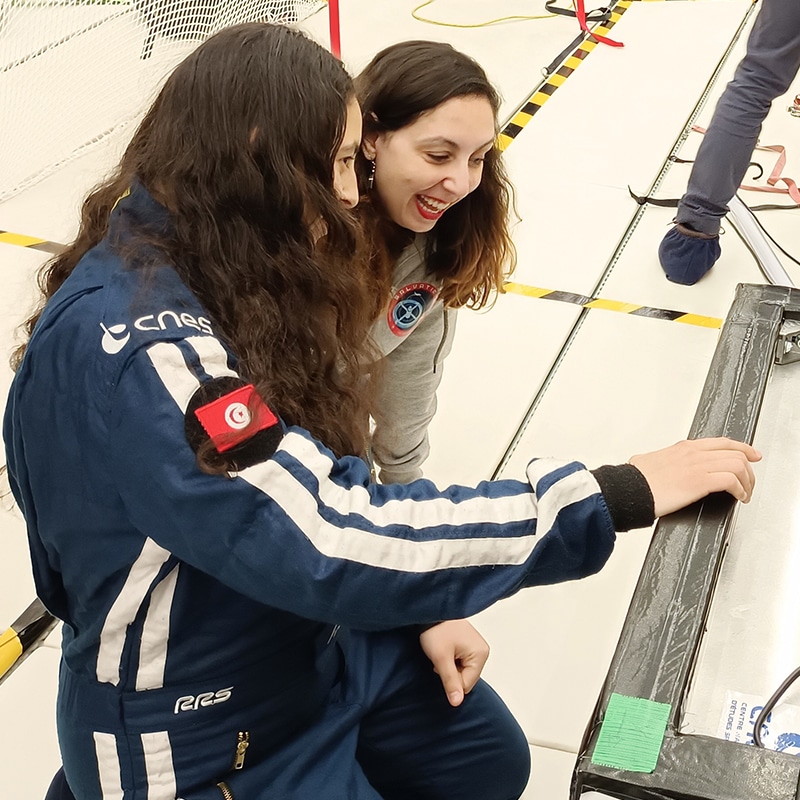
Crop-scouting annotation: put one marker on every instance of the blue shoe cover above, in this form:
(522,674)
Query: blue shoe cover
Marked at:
(685,259)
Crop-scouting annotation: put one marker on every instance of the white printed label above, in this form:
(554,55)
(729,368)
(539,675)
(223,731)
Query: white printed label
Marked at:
(780,731)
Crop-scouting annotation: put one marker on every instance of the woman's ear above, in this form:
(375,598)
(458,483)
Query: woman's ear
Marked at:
(368,146)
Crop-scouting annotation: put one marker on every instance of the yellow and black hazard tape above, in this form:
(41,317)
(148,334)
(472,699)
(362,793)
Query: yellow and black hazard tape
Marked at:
(546,89)
(26,633)
(31,242)
(544,294)
(613,305)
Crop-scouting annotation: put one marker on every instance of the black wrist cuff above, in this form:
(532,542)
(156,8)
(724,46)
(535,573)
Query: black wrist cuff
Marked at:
(627,495)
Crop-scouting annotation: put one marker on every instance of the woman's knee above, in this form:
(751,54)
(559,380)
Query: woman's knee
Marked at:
(502,753)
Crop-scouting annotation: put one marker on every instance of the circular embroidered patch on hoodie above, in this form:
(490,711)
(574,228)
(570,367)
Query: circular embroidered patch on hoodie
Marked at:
(409,305)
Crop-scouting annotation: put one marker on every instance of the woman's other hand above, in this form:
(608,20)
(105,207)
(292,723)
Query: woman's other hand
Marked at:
(458,653)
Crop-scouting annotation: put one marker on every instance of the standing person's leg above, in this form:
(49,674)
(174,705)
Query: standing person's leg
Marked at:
(412,743)
(770,65)
(766,72)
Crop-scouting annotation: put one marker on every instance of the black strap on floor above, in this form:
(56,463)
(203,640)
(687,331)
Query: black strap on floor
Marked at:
(670,202)
(654,201)
(565,53)
(598,15)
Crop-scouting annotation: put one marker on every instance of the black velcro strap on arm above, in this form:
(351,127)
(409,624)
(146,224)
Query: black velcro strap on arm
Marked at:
(627,495)
(256,439)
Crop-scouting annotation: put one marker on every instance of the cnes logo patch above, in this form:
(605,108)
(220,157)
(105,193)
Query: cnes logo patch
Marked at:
(115,337)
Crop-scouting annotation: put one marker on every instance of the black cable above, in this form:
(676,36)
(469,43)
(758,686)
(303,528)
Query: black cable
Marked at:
(774,207)
(770,704)
(769,236)
(760,169)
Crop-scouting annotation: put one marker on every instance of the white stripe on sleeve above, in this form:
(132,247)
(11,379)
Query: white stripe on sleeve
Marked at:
(570,489)
(409,511)
(390,552)
(212,355)
(175,375)
(364,547)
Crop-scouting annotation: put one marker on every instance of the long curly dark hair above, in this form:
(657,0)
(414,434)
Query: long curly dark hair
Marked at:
(470,248)
(239,146)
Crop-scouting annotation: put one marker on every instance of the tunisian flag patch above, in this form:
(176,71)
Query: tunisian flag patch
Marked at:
(235,417)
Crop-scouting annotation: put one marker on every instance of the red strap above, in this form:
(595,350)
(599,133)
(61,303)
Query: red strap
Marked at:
(775,176)
(334,28)
(580,13)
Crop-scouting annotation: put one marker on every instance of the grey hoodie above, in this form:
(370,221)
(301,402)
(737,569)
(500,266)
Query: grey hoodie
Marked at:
(414,334)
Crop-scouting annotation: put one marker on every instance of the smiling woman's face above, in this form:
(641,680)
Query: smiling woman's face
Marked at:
(426,167)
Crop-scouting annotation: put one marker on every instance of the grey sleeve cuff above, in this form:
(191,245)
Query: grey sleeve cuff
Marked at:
(399,474)
(627,495)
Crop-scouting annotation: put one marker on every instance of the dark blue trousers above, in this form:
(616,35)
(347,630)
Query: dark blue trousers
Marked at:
(770,65)
(386,733)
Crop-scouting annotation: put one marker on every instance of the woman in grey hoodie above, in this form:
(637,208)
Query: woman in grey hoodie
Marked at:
(436,200)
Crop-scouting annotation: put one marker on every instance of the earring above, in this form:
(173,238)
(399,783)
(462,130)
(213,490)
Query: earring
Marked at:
(371,179)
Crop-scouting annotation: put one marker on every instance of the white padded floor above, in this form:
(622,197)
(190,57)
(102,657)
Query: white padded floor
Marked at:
(621,384)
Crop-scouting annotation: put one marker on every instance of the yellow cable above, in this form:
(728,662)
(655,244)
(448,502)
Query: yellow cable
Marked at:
(476,25)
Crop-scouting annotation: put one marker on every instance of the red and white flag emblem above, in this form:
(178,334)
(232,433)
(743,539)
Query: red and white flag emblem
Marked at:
(235,417)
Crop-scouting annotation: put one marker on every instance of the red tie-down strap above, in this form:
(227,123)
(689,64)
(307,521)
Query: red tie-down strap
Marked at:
(598,15)
(580,13)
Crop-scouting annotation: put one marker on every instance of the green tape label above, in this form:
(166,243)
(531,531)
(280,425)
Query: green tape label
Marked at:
(631,734)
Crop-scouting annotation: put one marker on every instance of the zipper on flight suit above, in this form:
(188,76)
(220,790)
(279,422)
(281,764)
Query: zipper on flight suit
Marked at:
(242,744)
(241,749)
(225,789)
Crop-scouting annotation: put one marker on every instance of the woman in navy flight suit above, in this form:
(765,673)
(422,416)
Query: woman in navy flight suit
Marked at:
(185,436)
